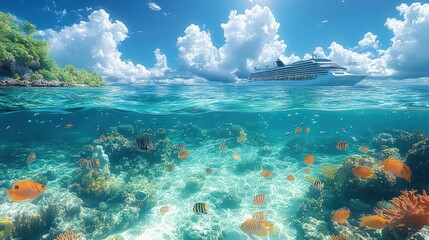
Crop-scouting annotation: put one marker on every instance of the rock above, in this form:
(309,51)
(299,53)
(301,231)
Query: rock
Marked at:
(383,140)
(34,83)
(346,184)
(418,161)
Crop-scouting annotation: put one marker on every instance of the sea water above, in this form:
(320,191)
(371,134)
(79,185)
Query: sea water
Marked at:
(63,125)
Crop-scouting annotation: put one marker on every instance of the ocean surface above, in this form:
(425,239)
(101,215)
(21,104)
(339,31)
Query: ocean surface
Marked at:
(267,127)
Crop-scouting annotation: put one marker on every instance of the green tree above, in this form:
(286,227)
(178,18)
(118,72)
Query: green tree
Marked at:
(18,45)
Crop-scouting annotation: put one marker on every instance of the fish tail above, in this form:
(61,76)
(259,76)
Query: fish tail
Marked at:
(8,193)
(361,224)
(271,229)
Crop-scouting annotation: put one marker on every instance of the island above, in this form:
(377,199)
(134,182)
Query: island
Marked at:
(25,61)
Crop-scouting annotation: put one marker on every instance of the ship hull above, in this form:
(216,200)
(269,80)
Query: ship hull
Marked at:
(325,80)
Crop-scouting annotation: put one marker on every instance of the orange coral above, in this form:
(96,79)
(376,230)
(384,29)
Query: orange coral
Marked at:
(68,236)
(410,211)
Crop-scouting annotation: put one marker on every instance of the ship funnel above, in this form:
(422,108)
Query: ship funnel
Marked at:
(280,63)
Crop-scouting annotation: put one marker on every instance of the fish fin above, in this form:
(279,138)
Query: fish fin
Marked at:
(266,224)
(263,234)
(272,229)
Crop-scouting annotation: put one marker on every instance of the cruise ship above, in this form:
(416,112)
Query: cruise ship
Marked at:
(311,72)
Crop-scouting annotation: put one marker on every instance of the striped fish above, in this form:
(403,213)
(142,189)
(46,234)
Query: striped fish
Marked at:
(298,130)
(183,154)
(259,215)
(25,191)
(341,145)
(200,208)
(31,158)
(144,144)
(102,138)
(363,149)
(89,164)
(307,130)
(258,227)
(179,147)
(259,199)
(318,185)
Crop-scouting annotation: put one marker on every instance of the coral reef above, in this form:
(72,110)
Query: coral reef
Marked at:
(418,160)
(410,211)
(383,141)
(94,183)
(69,235)
(98,153)
(34,224)
(6,228)
(370,190)
(328,172)
(390,153)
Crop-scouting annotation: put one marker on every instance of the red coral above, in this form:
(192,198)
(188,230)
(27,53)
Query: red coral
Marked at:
(410,211)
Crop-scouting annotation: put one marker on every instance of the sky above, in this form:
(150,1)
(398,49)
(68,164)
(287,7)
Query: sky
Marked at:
(142,41)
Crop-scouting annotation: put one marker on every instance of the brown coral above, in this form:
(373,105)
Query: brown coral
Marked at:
(410,211)
(339,237)
(68,236)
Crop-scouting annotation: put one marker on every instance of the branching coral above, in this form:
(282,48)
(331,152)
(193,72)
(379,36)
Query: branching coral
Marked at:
(68,236)
(329,171)
(410,211)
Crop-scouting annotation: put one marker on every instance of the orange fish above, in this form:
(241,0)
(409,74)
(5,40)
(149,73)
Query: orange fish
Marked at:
(309,159)
(341,215)
(307,130)
(373,222)
(341,145)
(25,190)
(397,168)
(259,199)
(209,170)
(307,170)
(259,215)
(363,149)
(164,210)
(266,173)
(183,154)
(69,125)
(363,172)
(298,130)
(31,158)
(258,227)
(290,178)
(236,156)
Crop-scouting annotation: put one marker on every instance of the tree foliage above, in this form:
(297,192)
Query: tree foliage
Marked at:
(26,56)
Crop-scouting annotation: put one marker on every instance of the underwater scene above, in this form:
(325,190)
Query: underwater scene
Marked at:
(216,161)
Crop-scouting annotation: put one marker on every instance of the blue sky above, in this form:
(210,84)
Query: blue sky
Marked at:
(296,28)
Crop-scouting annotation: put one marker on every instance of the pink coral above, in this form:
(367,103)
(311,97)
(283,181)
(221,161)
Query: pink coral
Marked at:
(410,211)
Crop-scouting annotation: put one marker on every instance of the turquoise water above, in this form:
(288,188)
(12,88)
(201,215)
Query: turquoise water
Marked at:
(201,117)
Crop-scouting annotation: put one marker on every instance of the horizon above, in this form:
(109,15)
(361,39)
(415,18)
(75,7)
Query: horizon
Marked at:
(211,41)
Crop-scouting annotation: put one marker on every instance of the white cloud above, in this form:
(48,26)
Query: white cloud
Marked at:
(251,39)
(154,6)
(369,40)
(408,53)
(405,57)
(93,45)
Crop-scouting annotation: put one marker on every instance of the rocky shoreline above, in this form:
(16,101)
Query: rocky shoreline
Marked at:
(9,82)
